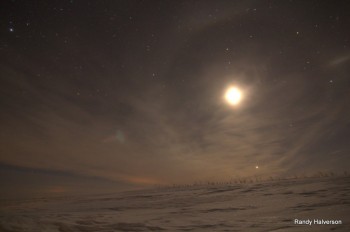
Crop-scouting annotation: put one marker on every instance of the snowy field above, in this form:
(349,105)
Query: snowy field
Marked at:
(264,206)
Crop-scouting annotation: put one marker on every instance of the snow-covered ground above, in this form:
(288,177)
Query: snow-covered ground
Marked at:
(264,206)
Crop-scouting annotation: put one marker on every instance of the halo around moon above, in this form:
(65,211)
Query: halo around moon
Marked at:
(233,96)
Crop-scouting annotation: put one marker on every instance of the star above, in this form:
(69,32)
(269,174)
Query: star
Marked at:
(11,29)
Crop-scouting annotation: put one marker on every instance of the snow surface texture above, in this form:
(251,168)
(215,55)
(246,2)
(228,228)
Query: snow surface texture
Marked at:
(264,206)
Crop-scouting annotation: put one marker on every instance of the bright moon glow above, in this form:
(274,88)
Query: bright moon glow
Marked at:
(233,96)
(256,166)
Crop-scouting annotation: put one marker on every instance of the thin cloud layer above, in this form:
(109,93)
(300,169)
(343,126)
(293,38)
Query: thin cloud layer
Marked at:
(146,106)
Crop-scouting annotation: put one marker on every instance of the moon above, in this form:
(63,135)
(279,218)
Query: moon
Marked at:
(233,96)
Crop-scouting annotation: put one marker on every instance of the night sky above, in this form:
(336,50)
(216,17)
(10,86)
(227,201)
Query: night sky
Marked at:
(131,93)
